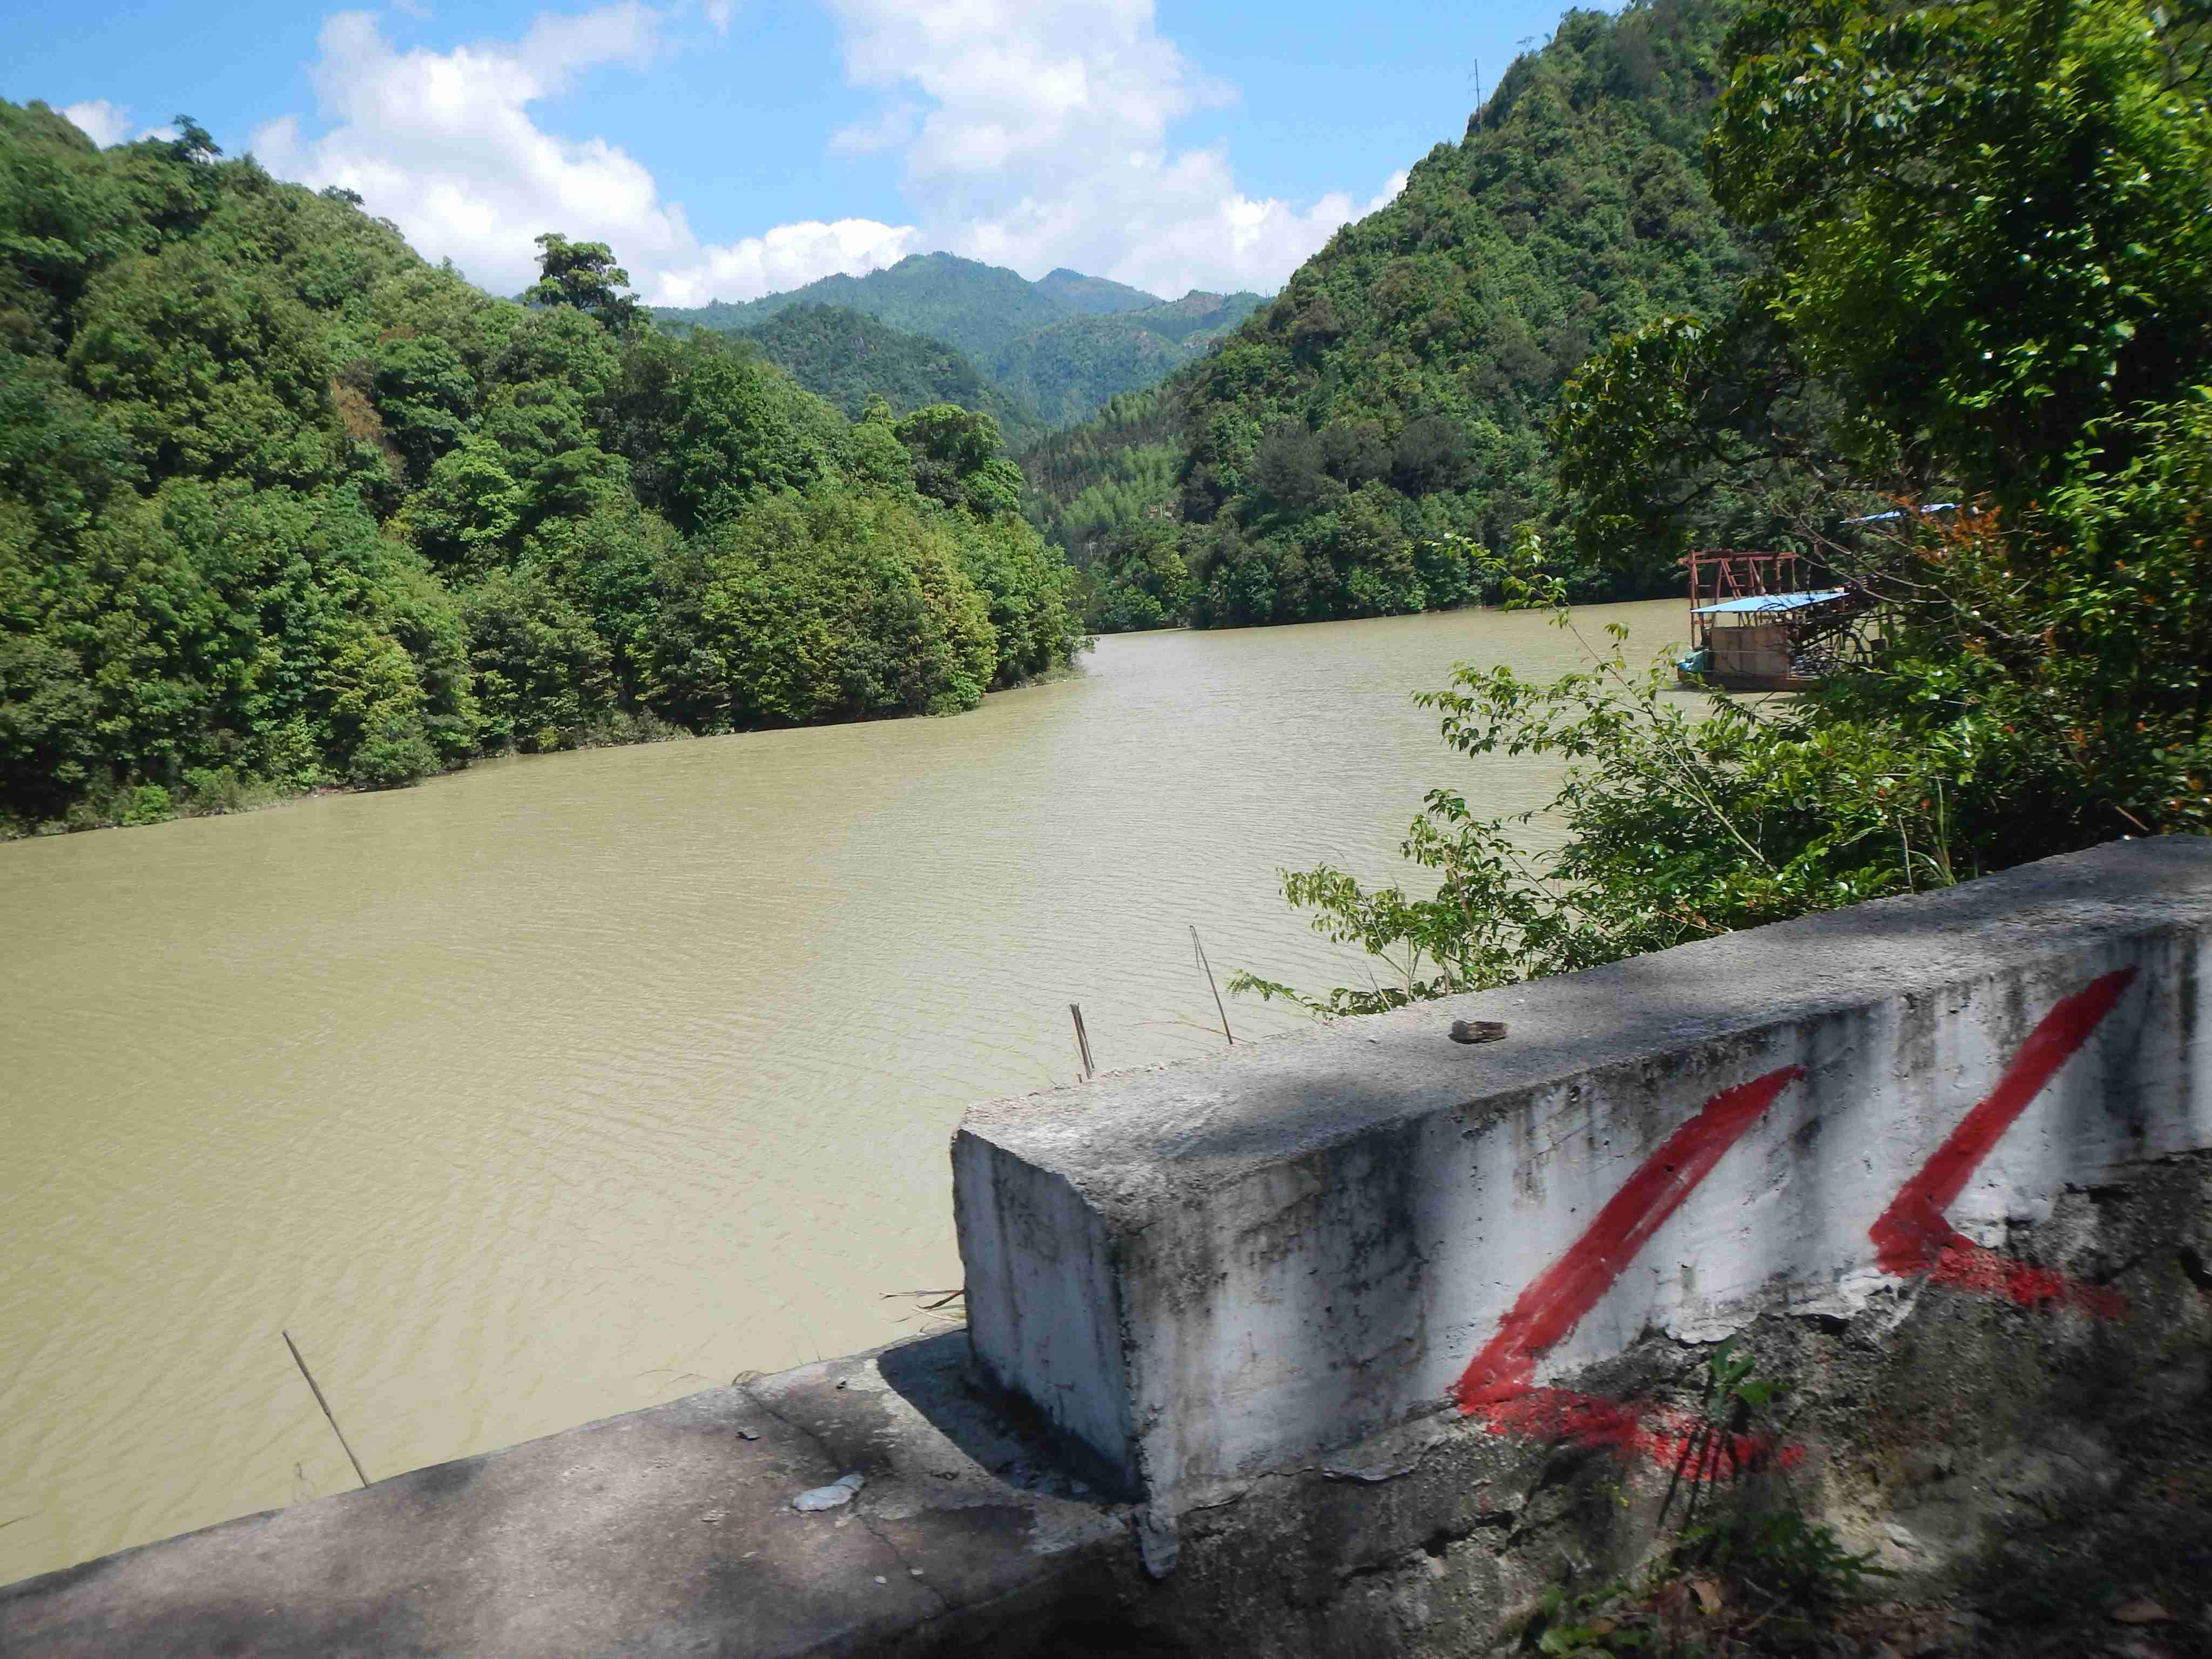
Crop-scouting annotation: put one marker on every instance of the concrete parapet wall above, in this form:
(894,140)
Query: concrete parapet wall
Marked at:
(1211,1270)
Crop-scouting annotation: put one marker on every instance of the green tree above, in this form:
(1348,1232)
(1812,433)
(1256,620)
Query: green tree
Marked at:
(206,368)
(281,505)
(832,607)
(1993,222)
(468,514)
(584,275)
(958,459)
(426,398)
(542,674)
(1138,579)
(1929,314)
(707,429)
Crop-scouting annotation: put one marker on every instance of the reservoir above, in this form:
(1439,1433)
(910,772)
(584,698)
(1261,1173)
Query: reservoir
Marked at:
(567,1085)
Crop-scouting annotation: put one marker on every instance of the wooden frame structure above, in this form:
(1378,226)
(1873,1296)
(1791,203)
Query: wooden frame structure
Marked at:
(1764,622)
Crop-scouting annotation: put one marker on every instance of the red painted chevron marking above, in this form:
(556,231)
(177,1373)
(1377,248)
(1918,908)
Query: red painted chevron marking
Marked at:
(1499,1385)
(1550,1308)
(1913,1240)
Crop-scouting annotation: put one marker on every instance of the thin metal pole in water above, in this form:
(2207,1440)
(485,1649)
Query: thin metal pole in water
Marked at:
(1082,1039)
(1208,966)
(325,1404)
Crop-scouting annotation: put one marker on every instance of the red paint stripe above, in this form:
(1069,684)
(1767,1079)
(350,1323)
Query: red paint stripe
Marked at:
(1981,1271)
(1559,1298)
(1666,1436)
(1912,1237)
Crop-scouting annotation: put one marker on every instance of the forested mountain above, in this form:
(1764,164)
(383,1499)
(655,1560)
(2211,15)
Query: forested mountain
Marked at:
(971,307)
(1983,293)
(1069,369)
(1063,344)
(1105,491)
(1122,464)
(1092,296)
(282,505)
(848,356)
(1398,391)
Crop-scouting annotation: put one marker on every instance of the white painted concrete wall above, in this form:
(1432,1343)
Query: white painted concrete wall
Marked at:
(1207,1270)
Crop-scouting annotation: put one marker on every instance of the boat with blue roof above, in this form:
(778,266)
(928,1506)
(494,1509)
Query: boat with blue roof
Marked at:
(1765,622)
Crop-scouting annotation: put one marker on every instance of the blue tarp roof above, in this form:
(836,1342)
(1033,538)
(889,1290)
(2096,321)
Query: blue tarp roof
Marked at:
(1898,512)
(1770,602)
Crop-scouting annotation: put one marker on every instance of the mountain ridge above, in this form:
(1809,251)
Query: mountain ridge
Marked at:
(846,356)
(1065,345)
(1341,450)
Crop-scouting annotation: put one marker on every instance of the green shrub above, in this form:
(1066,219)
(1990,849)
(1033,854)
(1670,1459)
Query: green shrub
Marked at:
(149,803)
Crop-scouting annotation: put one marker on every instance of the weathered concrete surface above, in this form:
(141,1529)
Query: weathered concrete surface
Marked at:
(2024,1468)
(1218,1268)
(667,1531)
(2011,1454)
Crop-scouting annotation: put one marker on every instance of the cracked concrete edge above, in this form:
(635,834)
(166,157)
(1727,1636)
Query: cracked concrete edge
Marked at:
(1932,1430)
(1134,1145)
(1233,1264)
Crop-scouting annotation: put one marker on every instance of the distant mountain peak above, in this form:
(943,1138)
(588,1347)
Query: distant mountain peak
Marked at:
(1095,296)
(1063,344)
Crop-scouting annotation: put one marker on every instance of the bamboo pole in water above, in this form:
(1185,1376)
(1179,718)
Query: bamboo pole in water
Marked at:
(325,1404)
(1208,966)
(1082,1039)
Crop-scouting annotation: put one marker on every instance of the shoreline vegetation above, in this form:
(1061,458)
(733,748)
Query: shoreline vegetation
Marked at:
(147,806)
(1387,415)
(1982,306)
(284,506)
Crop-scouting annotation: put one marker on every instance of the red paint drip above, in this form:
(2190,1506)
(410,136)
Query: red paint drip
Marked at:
(1557,1302)
(1981,1271)
(1668,1438)
(1912,1238)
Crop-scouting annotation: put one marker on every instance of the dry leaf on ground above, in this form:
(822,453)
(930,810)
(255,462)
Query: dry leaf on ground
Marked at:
(2140,1611)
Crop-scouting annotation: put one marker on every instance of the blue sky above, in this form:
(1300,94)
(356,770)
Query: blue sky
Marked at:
(728,148)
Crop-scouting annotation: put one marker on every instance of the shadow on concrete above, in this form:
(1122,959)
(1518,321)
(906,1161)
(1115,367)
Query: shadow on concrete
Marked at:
(1007,1436)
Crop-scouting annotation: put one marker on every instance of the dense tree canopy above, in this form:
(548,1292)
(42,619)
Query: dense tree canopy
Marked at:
(1988,233)
(281,505)
(1989,226)
(1067,369)
(1343,450)
(848,357)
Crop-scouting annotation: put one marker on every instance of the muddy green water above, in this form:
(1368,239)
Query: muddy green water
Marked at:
(567,1085)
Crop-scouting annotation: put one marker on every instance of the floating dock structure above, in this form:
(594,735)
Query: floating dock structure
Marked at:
(1763,622)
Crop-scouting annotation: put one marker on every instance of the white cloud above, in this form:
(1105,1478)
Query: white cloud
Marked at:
(893,127)
(104,123)
(790,256)
(444,144)
(414,8)
(1034,133)
(1045,139)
